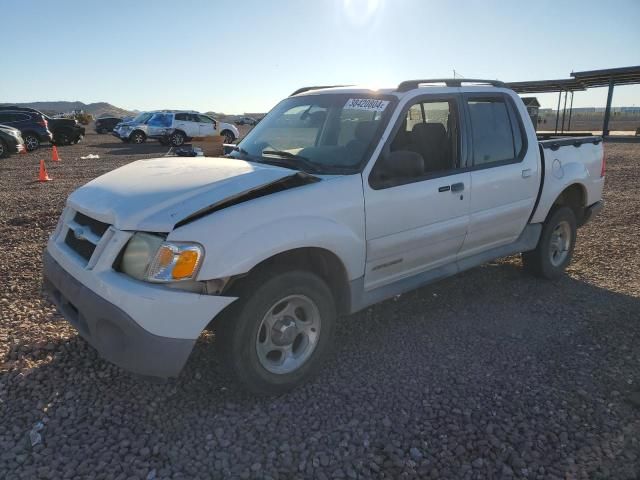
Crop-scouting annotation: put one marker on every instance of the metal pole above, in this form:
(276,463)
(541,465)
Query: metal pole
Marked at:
(570,112)
(607,111)
(558,111)
(564,110)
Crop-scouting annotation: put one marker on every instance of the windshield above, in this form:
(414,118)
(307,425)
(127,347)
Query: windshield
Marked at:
(332,132)
(142,118)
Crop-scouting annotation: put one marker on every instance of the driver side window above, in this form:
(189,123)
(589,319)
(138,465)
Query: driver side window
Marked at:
(425,145)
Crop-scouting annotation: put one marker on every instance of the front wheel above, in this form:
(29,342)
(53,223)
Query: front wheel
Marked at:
(138,138)
(280,333)
(555,247)
(229,137)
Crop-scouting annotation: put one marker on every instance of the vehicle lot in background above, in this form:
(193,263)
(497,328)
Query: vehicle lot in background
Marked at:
(173,127)
(507,373)
(10,141)
(32,126)
(65,131)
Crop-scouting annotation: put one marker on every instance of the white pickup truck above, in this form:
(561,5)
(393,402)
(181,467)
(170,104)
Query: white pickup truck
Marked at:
(338,199)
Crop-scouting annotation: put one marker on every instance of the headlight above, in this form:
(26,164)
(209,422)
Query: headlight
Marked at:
(148,257)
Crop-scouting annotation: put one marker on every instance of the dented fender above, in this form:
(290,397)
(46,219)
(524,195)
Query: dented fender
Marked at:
(242,235)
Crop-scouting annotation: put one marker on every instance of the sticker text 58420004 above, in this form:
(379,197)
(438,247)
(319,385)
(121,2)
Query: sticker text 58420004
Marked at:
(370,104)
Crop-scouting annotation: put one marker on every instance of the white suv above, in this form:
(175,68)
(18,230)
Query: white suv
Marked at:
(174,127)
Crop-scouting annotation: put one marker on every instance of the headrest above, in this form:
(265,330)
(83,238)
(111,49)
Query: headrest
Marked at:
(429,131)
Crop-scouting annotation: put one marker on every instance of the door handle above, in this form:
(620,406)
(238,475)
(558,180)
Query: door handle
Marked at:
(526,173)
(444,188)
(457,187)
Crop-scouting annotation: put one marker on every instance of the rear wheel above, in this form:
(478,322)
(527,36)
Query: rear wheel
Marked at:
(138,137)
(281,331)
(31,141)
(555,247)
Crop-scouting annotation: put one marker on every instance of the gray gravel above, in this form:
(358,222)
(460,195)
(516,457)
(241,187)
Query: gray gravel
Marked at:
(493,374)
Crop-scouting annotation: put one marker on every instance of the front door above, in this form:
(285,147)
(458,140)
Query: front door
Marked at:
(206,126)
(417,221)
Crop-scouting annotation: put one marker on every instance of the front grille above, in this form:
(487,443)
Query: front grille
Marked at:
(96,227)
(82,247)
(83,234)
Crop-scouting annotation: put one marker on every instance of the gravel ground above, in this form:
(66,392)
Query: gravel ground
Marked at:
(492,374)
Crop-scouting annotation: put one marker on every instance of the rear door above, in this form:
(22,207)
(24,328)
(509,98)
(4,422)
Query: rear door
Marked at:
(505,175)
(206,126)
(418,224)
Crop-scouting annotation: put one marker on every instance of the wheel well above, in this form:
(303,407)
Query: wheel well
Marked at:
(315,260)
(138,131)
(177,130)
(227,130)
(575,198)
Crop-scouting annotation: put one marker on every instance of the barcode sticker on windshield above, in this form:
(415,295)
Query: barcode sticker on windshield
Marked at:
(370,104)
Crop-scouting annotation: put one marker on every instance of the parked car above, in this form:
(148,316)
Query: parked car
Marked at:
(246,121)
(106,124)
(338,199)
(173,127)
(32,126)
(10,141)
(65,131)
(133,130)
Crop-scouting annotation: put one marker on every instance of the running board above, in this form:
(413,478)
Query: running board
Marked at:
(361,299)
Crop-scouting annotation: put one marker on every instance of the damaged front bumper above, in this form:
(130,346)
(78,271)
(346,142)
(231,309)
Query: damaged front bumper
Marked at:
(145,328)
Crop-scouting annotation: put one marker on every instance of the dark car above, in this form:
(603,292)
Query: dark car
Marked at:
(106,124)
(32,126)
(65,130)
(246,121)
(10,141)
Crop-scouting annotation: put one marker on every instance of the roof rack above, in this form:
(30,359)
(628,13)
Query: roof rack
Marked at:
(319,87)
(449,82)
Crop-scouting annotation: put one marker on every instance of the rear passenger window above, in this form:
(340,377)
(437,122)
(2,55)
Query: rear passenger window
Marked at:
(495,138)
(181,116)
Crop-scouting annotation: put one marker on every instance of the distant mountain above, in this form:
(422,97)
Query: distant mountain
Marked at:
(97,109)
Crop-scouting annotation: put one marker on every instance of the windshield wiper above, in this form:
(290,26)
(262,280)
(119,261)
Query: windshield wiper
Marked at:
(289,159)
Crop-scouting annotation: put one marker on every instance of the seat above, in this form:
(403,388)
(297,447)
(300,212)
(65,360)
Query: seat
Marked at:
(430,141)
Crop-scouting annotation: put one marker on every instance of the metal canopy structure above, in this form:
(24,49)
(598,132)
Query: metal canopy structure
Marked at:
(581,81)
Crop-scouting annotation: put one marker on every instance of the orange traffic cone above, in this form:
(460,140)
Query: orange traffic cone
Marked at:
(43,176)
(54,154)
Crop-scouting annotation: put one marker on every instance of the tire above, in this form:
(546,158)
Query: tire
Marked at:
(4,150)
(137,137)
(228,135)
(31,141)
(277,359)
(555,247)
(177,139)
(62,138)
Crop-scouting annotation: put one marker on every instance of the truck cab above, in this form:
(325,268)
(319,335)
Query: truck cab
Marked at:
(339,198)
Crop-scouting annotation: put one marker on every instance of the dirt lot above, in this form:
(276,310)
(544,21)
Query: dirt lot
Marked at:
(493,374)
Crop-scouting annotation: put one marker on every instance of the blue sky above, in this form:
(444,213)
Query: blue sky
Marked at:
(234,56)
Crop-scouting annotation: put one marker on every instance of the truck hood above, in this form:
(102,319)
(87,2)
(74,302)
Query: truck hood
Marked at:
(153,195)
